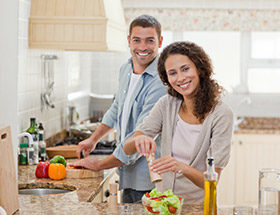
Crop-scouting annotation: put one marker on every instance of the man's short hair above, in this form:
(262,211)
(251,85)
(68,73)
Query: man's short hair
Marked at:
(146,21)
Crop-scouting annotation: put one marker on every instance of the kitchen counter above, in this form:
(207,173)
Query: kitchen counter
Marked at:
(258,125)
(74,202)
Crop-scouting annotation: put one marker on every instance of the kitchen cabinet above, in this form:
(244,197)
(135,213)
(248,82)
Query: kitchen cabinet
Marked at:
(250,152)
(102,196)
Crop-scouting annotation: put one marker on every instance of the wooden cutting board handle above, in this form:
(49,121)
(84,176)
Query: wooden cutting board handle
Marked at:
(155,178)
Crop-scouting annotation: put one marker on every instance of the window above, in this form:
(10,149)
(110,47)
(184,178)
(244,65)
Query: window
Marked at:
(167,39)
(224,50)
(265,45)
(263,62)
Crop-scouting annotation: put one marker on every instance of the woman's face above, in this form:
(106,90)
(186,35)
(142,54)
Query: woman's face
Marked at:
(182,74)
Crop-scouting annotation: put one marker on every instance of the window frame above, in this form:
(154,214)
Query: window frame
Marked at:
(247,62)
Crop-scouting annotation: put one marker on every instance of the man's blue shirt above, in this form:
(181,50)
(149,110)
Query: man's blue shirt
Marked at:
(149,88)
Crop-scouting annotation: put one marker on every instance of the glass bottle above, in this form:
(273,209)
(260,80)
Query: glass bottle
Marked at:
(210,189)
(33,130)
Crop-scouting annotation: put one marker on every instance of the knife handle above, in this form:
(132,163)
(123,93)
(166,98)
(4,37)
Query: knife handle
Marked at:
(82,154)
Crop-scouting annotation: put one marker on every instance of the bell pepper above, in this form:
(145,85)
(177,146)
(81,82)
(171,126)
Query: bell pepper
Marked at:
(57,171)
(42,170)
(59,159)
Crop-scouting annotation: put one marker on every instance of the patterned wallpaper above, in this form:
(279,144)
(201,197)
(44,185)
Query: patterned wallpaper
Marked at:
(210,19)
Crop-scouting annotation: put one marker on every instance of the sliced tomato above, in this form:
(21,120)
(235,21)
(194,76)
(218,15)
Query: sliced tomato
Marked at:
(180,198)
(148,194)
(155,198)
(163,196)
(150,209)
(172,209)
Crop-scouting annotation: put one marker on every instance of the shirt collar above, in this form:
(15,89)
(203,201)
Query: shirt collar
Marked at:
(151,69)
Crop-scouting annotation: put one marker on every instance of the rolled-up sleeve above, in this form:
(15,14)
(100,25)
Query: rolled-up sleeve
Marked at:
(152,124)
(110,117)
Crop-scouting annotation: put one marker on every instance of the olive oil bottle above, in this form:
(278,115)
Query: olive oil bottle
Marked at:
(210,189)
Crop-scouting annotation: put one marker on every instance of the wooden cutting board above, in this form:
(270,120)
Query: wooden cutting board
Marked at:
(8,180)
(67,151)
(82,173)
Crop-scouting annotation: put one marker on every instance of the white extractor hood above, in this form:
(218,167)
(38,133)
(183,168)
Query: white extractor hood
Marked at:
(82,25)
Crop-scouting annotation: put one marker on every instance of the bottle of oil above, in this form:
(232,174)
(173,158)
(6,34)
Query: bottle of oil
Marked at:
(210,189)
(33,130)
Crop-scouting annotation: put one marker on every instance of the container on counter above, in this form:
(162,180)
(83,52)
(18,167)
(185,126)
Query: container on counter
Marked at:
(42,144)
(23,153)
(30,155)
(33,130)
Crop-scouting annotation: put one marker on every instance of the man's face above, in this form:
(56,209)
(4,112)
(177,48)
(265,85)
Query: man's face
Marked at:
(144,45)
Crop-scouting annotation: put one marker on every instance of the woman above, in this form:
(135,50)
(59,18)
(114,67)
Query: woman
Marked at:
(191,118)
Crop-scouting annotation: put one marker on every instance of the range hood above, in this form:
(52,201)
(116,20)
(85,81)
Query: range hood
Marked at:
(82,25)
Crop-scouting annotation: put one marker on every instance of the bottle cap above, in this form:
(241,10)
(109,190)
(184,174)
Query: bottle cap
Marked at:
(23,145)
(210,161)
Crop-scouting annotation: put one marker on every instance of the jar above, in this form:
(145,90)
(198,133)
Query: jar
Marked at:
(23,154)
(269,189)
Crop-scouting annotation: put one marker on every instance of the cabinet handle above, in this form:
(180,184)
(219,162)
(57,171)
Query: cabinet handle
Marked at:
(240,142)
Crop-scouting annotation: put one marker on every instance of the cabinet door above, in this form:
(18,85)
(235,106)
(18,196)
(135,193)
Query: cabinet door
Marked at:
(226,184)
(253,152)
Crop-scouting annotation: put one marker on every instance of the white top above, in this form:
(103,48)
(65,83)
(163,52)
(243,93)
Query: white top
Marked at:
(133,81)
(184,140)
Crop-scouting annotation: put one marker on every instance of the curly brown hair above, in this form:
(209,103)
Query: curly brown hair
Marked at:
(209,91)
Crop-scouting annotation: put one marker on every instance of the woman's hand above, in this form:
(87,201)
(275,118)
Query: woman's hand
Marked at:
(145,145)
(167,164)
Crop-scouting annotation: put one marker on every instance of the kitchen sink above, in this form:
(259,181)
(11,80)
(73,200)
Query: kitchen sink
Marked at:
(42,191)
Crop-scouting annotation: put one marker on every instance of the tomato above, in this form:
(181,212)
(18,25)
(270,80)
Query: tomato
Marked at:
(155,198)
(172,209)
(180,198)
(150,209)
(147,194)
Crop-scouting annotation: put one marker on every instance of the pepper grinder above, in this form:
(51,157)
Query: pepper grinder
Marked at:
(155,177)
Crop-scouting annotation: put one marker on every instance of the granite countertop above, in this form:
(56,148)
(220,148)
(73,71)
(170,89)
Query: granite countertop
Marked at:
(258,125)
(76,201)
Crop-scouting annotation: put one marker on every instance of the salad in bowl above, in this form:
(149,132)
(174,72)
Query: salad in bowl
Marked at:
(156,202)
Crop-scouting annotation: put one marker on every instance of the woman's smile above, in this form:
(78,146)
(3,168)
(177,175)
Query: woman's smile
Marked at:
(185,85)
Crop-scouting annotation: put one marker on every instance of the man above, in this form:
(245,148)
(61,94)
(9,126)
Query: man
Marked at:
(139,89)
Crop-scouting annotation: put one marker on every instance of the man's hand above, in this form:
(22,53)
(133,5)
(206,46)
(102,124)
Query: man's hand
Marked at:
(89,162)
(87,146)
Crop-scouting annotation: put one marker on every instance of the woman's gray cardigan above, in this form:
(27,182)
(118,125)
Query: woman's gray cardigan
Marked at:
(216,132)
